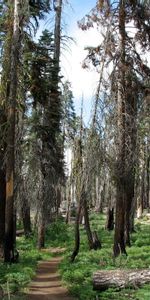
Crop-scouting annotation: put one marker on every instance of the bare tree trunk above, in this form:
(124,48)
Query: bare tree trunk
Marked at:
(110,219)
(119,237)
(68,205)
(121,279)
(97,193)
(41,208)
(148,180)
(131,143)
(87,224)
(11,119)
(2,182)
(77,232)
(57,32)
(93,240)
(2,211)
(110,210)
(41,230)
(80,190)
(25,212)
(140,186)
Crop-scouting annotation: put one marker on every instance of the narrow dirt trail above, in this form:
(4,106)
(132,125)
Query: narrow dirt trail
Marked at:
(47,283)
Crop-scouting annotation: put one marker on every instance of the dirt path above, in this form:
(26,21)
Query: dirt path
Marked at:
(47,284)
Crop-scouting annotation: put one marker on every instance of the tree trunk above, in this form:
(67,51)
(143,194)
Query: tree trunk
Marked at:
(131,143)
(42,206)
(11,116)
(2,211)
(68,205)
(80,192)
(103,280)
(77,231)
(148,180)
(41,229)
(110,219)
(87,224)
(128,212)
(57,32)
(41,234)
(2,182)
(94,243)
(119,237)
(140,187)
(25,211)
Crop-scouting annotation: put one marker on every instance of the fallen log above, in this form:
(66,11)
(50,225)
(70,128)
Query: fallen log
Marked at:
(20,232)
(102,280)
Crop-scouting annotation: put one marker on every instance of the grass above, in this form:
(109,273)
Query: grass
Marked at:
(15,277)
(77,276)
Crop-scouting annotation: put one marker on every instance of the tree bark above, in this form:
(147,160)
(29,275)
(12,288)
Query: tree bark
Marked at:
(120,279)
(26,218)
(41,233)
(131,143)
(68,213)
(110,219)
(2,211)
(93,240)
(57,31)
(2,179)
(42,208)
(148,180)
(119,237)
(140,185)
(87,224)
(77,232)
(11,119)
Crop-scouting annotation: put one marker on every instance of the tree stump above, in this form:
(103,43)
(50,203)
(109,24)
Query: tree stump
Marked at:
(102,280)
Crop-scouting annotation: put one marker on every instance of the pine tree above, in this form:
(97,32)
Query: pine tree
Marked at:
(119,48)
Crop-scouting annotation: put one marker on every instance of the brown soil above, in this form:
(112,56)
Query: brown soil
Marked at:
(47,284)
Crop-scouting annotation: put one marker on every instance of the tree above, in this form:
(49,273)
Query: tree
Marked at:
(120,49)
(119,239)
(11,120)
(2,186)
(46,118)
(83,171)
(16,17)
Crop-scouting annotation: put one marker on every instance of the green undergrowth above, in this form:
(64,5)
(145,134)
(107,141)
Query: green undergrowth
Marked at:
(57,234)
(78,275)
(15,277)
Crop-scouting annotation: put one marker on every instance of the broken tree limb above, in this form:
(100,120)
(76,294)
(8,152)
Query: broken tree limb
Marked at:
(102,280)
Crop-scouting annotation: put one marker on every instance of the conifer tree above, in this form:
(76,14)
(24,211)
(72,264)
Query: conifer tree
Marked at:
(119,48)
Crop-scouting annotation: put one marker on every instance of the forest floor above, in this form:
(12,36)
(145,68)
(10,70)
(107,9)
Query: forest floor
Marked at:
(42,270)
(47,283)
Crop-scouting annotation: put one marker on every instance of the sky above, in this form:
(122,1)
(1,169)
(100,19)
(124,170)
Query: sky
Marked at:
(83,81)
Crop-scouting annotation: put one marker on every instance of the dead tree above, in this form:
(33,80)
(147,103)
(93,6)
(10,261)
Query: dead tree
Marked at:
(103,280)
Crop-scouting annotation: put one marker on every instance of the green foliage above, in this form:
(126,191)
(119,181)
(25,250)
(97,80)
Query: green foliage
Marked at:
(16,276)
(78,276)
(68,115)
(57,233)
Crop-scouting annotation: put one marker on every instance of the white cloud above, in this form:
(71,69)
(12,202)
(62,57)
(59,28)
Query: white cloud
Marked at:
(83,81)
